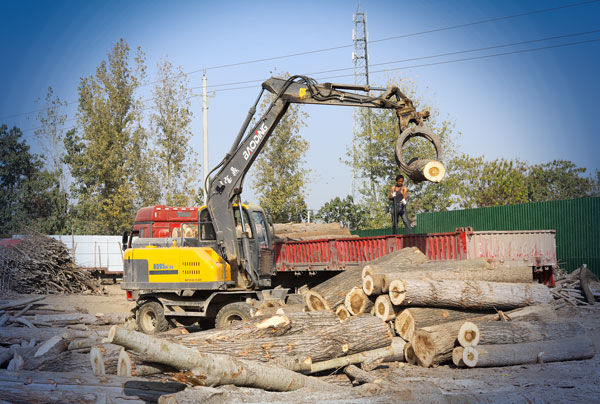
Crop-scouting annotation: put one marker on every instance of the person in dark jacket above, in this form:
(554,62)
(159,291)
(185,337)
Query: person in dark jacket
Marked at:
(398,195)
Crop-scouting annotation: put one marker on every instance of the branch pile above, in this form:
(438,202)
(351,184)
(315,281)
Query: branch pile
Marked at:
(42,265)
(579,288)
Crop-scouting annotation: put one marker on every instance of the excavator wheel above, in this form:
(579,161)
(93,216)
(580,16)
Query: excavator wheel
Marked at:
(233,313)
(151,318)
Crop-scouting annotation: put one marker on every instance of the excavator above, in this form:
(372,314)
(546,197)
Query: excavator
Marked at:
(220,274)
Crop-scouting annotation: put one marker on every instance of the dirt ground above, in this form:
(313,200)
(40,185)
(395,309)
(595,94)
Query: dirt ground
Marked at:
(563,382)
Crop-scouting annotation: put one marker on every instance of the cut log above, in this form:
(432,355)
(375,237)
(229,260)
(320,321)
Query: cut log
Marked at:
(129,364)
(318,343)
(10,335)
(342,312)
(468,294)
(425,170)
(433,345)
(585,277)
(413,318)
(564,349)
(457,357)
(360,375)
(53,346)
(385,310)
(392,353)
(515,332)
(266,326)
(394,261)
(82,343)
(333,291)
(44,387)
(373,284)
(211,369)
(357,301)
(104,359)
(409,354)
(21,302)
(521,274)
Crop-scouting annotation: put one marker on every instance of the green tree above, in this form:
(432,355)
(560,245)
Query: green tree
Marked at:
(343,211)
(559,179)
(279,176)
(51,137)
(479,183)
(29,195)
(372,157)
(107,158)
(178,167)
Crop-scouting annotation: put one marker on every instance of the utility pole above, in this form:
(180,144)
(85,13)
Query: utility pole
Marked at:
(205,133)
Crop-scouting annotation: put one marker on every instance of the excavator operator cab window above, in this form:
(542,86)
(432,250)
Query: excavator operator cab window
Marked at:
(261,229)
(207,230)
(238,223)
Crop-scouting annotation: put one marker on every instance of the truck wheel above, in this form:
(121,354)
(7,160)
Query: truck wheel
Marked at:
(151,318)
(233,313)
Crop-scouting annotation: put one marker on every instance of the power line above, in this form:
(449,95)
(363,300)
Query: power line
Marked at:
(383,70)
(348,46)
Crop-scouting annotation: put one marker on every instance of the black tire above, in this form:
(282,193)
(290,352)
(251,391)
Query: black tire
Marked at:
(233,313)
(151,318)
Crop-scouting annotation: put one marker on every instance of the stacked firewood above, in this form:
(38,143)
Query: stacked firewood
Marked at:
(42,265)
(427,302)
(579,288)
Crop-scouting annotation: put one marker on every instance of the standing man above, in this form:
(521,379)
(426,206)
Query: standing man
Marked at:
(398,195)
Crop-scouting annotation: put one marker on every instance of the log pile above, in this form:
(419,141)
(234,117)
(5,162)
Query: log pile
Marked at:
(310,231)
(42,265)
(427,302)
(579,288)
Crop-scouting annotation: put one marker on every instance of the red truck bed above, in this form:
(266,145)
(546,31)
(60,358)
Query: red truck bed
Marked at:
(532,248)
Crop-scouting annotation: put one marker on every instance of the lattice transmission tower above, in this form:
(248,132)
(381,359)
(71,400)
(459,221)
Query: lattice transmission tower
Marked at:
(360,57)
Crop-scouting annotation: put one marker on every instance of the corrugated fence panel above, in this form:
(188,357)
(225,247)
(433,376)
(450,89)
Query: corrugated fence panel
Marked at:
(576,221)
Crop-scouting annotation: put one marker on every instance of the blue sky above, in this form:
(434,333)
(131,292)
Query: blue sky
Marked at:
(536,106)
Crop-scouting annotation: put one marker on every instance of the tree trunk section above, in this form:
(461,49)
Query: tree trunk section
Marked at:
(585,277)
(104,359)
(433,345)
(409,354)
(333,291)
(522,274)
(394,261)
(457,357)
(515,332)
(318,343)
(341,312)
(392,353)
(413,318)
(263,327)
(563,349)
(211,369)
(357,301)
(478,295)
(425,170)
(385,310)
(66,387)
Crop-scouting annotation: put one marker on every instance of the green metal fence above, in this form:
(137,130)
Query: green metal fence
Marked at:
(576,221)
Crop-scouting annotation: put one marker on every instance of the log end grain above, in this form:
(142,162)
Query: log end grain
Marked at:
(397,291)
(424,348)
(409,354)
(457,357)
(404,324)
(97,361)
(384,308)
(468,334)
(470,356)
(315,302)
(342,312)
(125,364)
(356,301)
